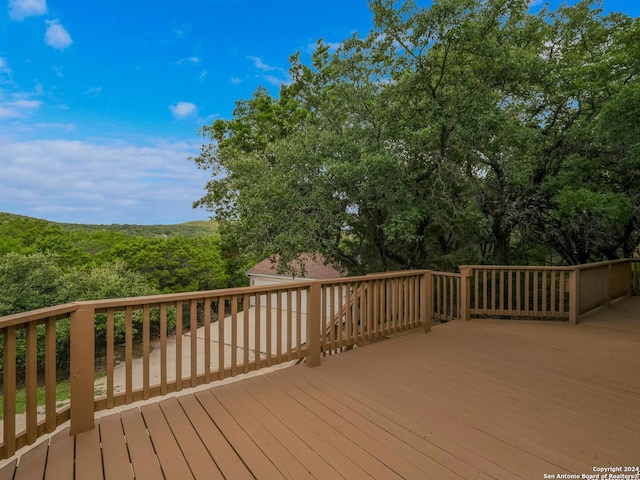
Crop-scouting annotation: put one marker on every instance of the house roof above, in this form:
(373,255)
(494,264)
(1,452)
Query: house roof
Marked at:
(315,267)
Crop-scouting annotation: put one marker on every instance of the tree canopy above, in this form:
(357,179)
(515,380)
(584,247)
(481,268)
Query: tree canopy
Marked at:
(461,133)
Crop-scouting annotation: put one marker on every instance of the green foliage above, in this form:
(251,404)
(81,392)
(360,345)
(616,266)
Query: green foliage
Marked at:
(448,135)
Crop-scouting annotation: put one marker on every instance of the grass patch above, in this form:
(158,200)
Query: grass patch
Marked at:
(63,393)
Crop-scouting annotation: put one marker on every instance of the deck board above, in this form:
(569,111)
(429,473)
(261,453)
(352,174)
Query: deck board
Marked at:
(89,455)
(60,456)
(473,400)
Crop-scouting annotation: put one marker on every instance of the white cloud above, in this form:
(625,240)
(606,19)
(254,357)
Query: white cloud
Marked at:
(183,109)
(235,80)
(56,35)
(534,3)
(4,66)
(260,65)
(21,9)
(93,91)
(18,108)
(277,77)
(194,60)
(273,80)
(202,75)
(109,182)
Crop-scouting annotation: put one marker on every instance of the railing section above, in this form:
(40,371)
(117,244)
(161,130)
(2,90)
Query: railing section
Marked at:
(518,292)
(366,308)
(446,296)
(600,283)
(25,340)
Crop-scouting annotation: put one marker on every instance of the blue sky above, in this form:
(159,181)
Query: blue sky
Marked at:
(100,102)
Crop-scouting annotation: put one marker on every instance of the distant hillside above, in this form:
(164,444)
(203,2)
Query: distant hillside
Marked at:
(197,228)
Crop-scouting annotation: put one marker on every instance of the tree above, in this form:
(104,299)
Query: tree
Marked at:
(445,136)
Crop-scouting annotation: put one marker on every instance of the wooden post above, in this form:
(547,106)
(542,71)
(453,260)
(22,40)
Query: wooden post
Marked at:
(313,324)
(426,296)
(82,369)
(465,293)
(574,296)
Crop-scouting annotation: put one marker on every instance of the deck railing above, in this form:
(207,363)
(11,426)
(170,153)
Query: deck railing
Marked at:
(358,309)
(177,341)
(147,347)
(447,299)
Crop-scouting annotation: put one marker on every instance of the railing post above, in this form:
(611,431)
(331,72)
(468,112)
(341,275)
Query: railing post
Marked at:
(426,296)
(574,295)
(465,293)
(82,370)
(313,324)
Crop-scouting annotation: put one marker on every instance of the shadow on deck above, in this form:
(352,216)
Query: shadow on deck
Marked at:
(478,399)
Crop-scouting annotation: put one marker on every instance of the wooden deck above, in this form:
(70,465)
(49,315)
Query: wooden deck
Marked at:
(474,400)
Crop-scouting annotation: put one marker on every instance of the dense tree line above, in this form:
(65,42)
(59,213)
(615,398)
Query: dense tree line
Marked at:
(468,132)
(43,264)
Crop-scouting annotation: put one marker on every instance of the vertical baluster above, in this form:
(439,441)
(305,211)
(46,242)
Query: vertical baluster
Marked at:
(193,334)
(50,374)
(146,335)
(325,321)
(299,322)
(536,290)
(510,296)
(289,325)
(207,313)
(234,335)
(31,380)
(163,348)
(258,320)
(128,354)
(9,392)
(279,326)
(110,355)
(222,311)
(553,310)
(349,314)
(245,331)
(268,334)
(179,340)
(341,314)
(388,288)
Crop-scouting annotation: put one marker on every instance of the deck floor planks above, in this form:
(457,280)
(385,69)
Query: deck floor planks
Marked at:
(174,466)
(89,455)
(497,399)
(226,458)
(194,452)
(567,392)
(60,456)
(538,404)
(490,415)
(556,400)
(309,428)
(253,456)
(400,450)
(345,446)
(374,443)
(8,471)
(31,465)
(402,428)
(417,407)
(267,440)
(143,459)
(312,461)
(115,455)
